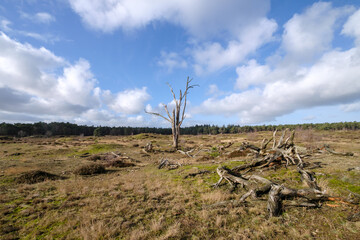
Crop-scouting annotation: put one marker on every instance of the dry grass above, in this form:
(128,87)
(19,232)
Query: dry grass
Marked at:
(143,202)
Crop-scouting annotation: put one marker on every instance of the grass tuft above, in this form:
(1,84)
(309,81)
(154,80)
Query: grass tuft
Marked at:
(90,169)
(36,176)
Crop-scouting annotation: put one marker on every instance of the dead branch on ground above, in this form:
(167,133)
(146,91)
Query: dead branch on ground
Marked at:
(328,149)
(169,164)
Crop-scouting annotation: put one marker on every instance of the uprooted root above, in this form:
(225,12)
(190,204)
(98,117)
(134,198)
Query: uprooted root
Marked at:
(282,152)
(258,186)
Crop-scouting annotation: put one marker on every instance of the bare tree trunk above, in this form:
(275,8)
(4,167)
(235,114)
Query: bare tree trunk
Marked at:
(178,113)
(176,140)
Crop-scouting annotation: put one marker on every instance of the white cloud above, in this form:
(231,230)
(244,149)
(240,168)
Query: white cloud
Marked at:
(199,18)
(212,57)
(5,27)
(241,24)
(310,34)
(128,101)
(77,85)
(352,26)
(171,60)
(37,84)
(28,68)
(44,17)
(40,17)
(136,119)
(270,92)
(251,74)
(309,118)
(213,89)
(352,107)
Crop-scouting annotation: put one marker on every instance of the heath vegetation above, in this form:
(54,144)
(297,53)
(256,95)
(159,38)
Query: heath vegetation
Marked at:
(111,187)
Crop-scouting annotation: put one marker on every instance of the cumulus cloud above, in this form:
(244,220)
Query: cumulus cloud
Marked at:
(251,74)
(171,60)
(28,68)
(77,85)
(211,57)
(39,84)
(199,18)
(128,101)
(352,27)
(241,24)
(270,92)
(310,34)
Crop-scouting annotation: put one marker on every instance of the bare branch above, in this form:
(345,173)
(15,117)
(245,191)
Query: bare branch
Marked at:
(172,91)
(167,111)
(158,114)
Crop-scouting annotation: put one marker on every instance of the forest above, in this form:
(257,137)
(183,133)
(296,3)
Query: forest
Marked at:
(70,129)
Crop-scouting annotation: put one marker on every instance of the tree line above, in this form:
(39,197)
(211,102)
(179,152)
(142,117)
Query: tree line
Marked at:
(67,129)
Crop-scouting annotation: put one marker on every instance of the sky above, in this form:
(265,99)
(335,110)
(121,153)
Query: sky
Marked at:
(103,62)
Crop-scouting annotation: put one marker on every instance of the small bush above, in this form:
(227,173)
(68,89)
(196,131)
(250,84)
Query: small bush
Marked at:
(90,169)
(36,176)
(94,158)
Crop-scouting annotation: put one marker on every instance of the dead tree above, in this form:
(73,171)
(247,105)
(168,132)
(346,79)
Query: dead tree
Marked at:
(178,114)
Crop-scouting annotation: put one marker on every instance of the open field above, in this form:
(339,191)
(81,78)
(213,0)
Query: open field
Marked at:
(144,202)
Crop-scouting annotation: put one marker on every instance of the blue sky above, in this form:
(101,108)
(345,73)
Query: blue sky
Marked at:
(102,62)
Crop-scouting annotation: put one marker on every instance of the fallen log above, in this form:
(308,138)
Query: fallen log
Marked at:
(253,164)
(232,178)
(328,149)
(258,186)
